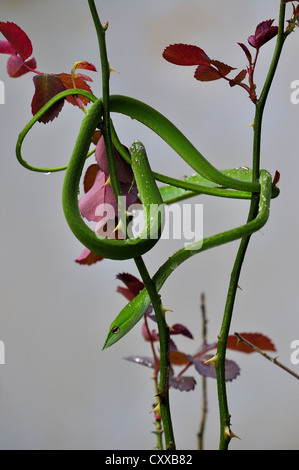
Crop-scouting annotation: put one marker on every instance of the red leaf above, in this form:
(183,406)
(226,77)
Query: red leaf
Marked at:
(276,179)
(184,54)
(47,86)
(83,64)
(223,69)
(17,38)
(258,339)
(67,80)
(207,73)
(240,77)
(247,52)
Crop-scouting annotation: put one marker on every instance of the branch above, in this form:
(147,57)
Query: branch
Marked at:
(272,359)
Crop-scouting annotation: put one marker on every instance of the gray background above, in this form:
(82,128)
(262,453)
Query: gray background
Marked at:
(58,390)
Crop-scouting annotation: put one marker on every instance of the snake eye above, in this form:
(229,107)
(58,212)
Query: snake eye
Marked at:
(115,330)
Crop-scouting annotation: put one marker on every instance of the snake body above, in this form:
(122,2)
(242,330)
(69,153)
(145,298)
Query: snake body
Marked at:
(210,180)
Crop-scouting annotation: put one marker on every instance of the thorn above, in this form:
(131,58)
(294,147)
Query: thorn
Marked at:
(107,182)
(230,433)
(251,125)
(164,309)
(239,287)
(156,409)
(120,227)
(261,232)
(111,69)
(214,360)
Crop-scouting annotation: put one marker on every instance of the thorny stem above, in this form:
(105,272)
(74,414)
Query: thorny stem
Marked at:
(163,389)
(155,299)
(204,406)
(106,127)
(158,424)
(225,426)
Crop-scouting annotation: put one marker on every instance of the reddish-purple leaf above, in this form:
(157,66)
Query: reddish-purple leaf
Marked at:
(276,178)
(259,340)
(247,52)
(178,329)
(185,54)
(17,38)
(232,370)
(222,68)
(238,78)
(143,360)
(124,170)
(263,33)
(183,383)
(47,86)
(132,283)
(16,67)
(149,335)
(6,48)
(207,73)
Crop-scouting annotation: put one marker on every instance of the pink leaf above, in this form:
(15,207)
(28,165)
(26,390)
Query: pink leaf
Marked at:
(16,67)
(87,257)
(6,48)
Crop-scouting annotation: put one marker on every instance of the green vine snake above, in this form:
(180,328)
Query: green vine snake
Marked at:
(211,181)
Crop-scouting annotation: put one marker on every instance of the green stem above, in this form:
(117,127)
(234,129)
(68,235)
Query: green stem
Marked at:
(106,128)
(164,353)
(225,430)
(260,105)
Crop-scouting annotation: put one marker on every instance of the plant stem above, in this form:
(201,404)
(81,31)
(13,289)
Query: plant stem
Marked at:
(260,105)
(163,397)
(225,430)
(106,126)
(204,406)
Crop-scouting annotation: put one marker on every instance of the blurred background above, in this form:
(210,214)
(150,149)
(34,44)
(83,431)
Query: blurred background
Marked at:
(58,389)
